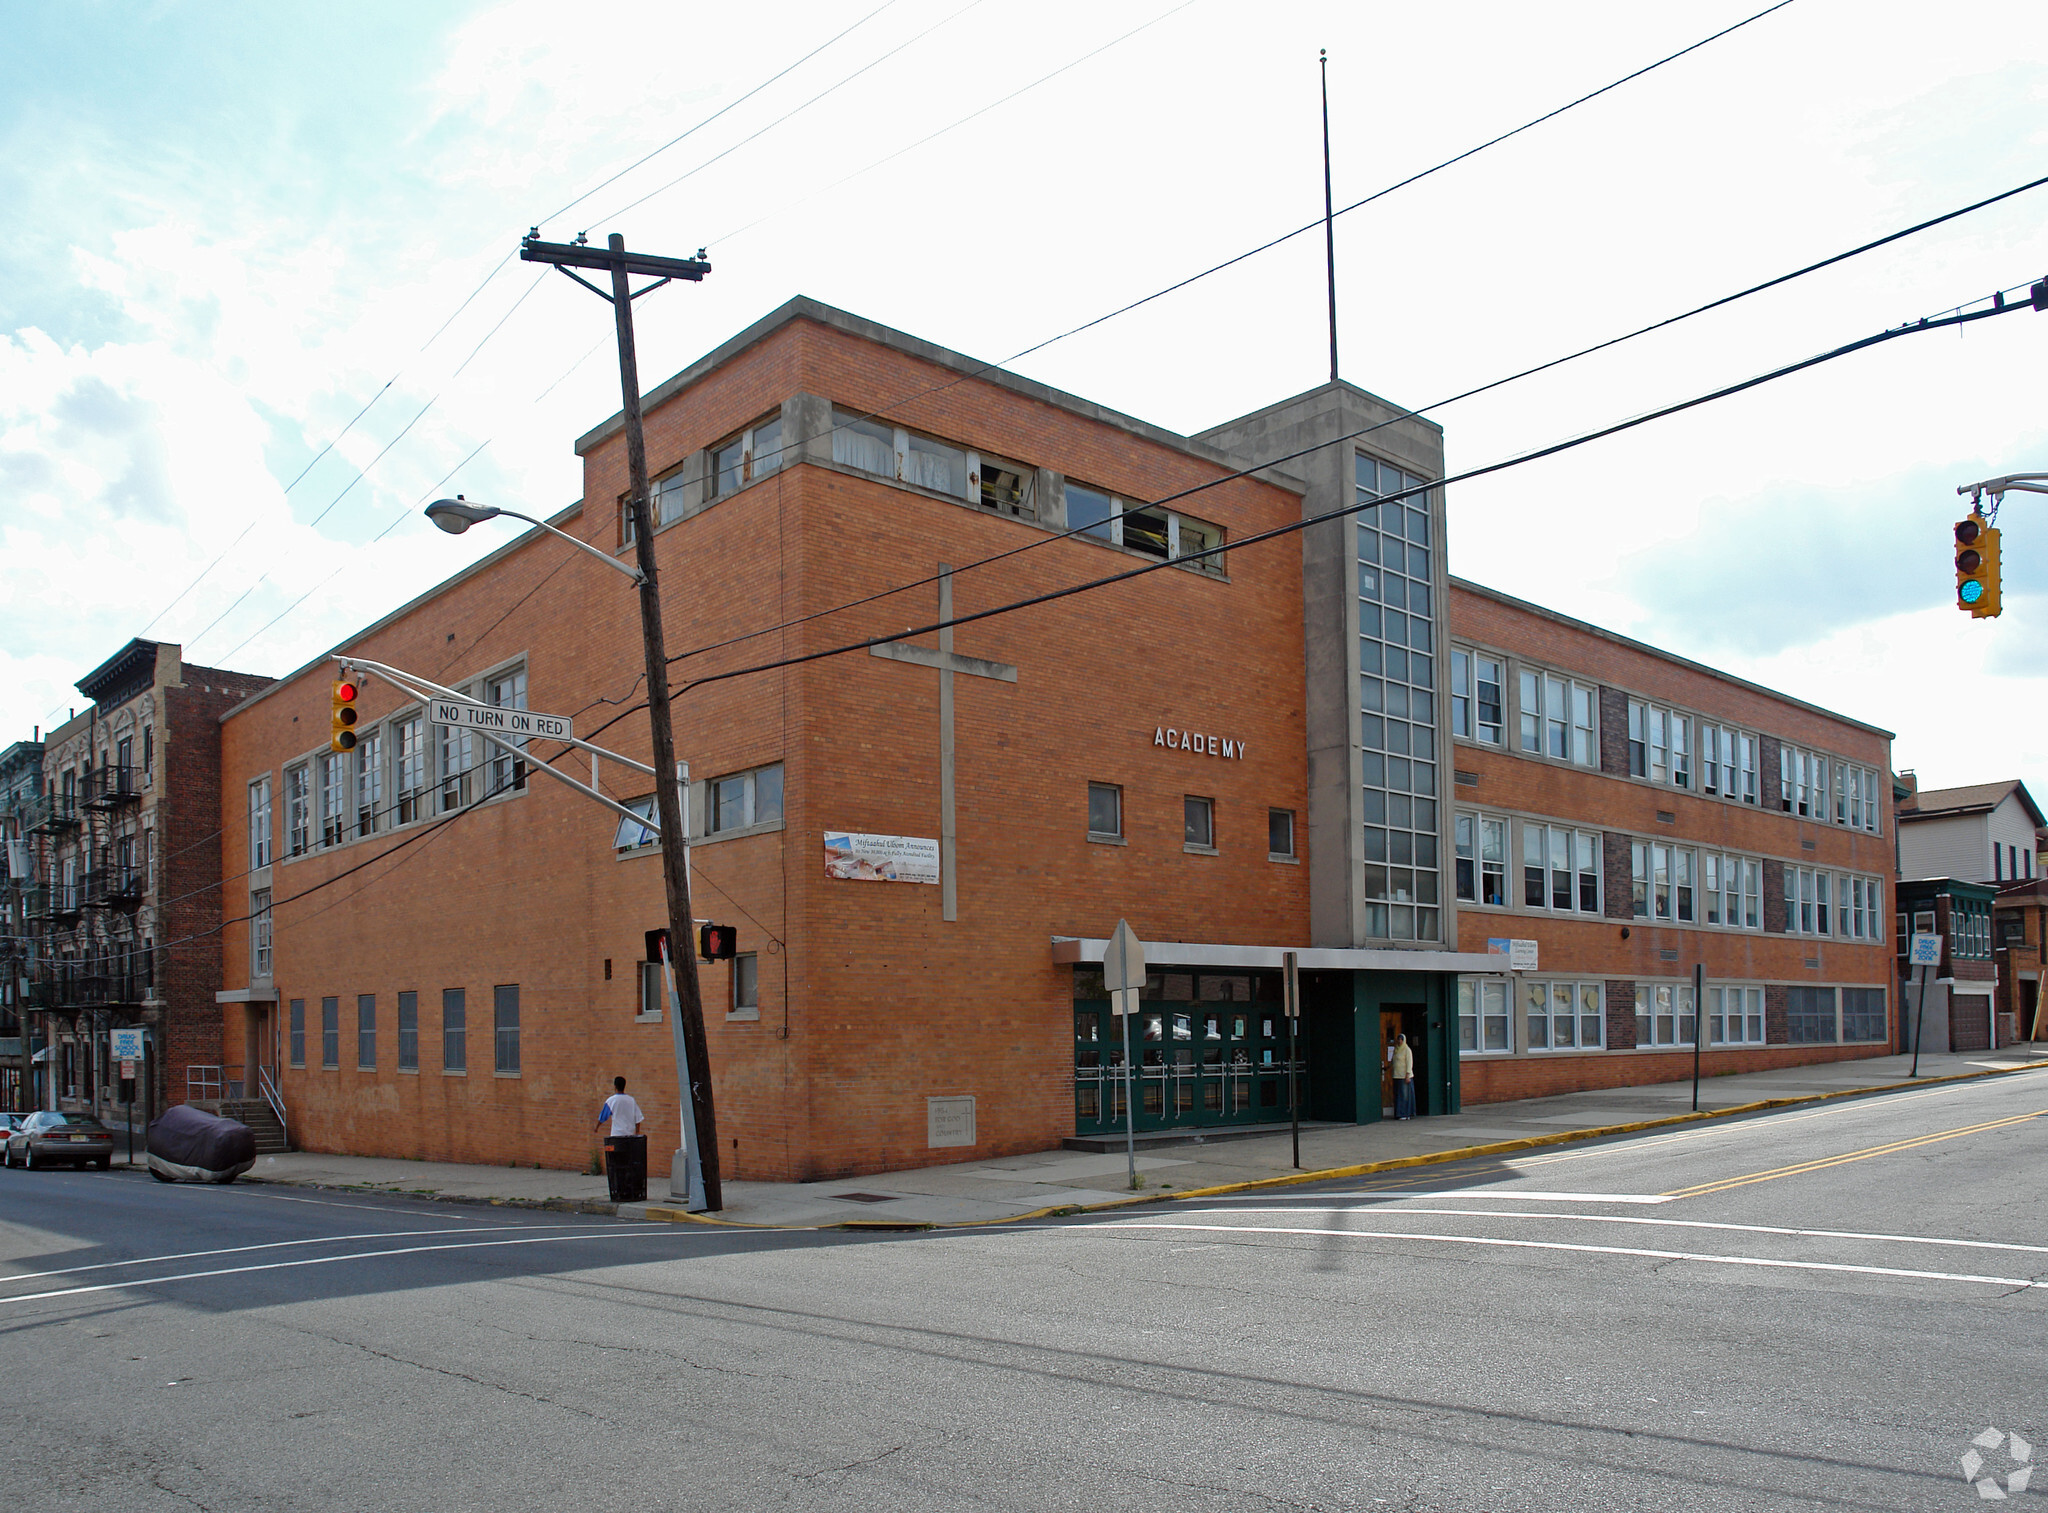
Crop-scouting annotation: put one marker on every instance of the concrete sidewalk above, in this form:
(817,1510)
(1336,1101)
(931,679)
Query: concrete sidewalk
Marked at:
(1009,1187)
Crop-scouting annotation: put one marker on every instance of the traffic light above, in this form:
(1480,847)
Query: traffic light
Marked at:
(344,702)
(1977,566)
(717,942)
(657,945)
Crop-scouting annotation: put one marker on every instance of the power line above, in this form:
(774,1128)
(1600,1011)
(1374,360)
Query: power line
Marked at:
(970,116)
(672,141)
(1295,526)
(1600,346)
(1911,328)
(814,99)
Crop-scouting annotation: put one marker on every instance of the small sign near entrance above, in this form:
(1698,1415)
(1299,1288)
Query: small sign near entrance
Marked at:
(509,723)
(125,1046)
(949,1121)
(127,1071)
(1925,951)
(1521,954)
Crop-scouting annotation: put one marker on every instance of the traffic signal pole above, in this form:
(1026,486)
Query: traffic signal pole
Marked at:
(694,1072)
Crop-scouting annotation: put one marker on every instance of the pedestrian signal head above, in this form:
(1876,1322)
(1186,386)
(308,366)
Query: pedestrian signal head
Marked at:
(345,714)
(717,942)
(1977,566)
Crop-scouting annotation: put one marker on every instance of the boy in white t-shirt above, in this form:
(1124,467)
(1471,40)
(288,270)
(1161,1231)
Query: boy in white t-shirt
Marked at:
(620,1108)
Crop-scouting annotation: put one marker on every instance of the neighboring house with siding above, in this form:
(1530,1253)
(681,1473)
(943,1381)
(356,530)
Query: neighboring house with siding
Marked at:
(1985,833)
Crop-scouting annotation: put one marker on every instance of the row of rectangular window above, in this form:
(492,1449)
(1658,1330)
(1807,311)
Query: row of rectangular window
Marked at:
(1560,865)
(746,988)
(1198,821)
(338,796)
(1805,789)
(737,801)
(1557,718)
(1571,1015)
(454,1031)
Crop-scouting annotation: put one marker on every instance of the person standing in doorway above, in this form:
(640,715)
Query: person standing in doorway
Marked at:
(621,1109)
(1404,1078)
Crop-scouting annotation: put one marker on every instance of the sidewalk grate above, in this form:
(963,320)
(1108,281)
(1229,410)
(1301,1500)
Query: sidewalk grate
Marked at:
(864,1197)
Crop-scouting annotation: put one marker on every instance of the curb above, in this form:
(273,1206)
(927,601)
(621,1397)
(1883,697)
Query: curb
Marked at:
(1335,1173)
(664,1215)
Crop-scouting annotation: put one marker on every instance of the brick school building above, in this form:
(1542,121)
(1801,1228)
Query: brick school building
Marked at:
(1260,746)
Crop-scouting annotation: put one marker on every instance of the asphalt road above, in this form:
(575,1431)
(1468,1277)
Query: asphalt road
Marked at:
(1818,1308)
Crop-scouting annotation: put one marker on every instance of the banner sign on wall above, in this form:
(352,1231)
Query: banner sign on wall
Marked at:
(881,858)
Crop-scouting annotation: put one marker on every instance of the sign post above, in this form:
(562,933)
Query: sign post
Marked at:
(1290,986)
(1924,953)
(1699,1025)
(1123,974)
(127,1048)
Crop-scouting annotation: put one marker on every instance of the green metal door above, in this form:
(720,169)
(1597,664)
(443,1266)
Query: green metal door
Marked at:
(1208,1049)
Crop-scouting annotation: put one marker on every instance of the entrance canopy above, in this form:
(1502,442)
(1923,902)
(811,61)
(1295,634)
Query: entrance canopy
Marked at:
(1073,949)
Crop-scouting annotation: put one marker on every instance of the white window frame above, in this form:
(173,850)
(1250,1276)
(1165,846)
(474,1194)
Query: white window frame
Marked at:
(409,767)
(506,689)
(746,986)
(1747,1003)
(336,820)
(750,804)
(748,466)
(298,809)
(1468,665)
(1484,830)
(632,835)
(1483,1004)
(260,838)
(1666,1007)
(1562,1002)
(259,934)
(370,817)
(1554,721)
(1578,847)
(1115,790)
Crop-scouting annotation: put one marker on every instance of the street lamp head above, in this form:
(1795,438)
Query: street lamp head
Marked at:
(457,515)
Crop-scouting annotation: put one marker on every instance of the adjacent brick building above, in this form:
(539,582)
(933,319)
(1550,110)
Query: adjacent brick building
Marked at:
(122,905)
(1263,745)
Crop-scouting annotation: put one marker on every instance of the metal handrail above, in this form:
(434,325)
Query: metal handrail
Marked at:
(268,1087)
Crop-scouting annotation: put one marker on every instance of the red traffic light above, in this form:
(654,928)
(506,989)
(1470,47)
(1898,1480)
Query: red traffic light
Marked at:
(344,693)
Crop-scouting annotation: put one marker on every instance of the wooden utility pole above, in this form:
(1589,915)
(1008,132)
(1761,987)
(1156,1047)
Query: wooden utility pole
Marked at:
(614,259)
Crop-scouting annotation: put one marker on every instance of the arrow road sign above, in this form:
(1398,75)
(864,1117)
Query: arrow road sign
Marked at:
(509,723)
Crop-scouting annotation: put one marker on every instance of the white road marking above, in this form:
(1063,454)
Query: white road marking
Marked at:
(374,1208)
(1763,1122)
(1596,1250)
(229,1250)
(1402,1194)
(359,1255)
(1552,1218)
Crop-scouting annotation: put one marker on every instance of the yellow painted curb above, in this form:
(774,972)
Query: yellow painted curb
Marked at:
(1365,1169)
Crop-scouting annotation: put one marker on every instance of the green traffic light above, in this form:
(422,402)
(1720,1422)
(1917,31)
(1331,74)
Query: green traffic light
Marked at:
(1970,592)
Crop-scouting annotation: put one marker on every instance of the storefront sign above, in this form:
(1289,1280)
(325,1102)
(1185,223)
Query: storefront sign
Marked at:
(860,858)
(1199,742)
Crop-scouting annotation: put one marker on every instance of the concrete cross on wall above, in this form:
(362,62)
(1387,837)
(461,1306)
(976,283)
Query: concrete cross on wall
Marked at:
(947,662)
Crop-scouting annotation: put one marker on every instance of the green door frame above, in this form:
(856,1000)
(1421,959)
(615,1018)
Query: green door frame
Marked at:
(1436,1044)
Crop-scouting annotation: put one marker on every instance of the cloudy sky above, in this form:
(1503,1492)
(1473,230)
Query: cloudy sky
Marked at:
(228,232)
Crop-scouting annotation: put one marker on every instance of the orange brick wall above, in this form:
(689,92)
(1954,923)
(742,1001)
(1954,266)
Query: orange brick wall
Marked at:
(1630,950)
(869,1001)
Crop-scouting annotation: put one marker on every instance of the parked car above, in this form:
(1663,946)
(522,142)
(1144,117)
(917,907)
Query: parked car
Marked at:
(190,1145)
(46,1138)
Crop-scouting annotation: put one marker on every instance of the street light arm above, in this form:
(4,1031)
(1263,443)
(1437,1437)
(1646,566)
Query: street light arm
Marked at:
(2032,483)
(579,543)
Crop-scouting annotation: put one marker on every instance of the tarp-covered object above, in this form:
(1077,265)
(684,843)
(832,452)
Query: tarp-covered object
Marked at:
(190,1145)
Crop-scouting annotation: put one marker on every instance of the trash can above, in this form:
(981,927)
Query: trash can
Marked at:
(625,1167)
